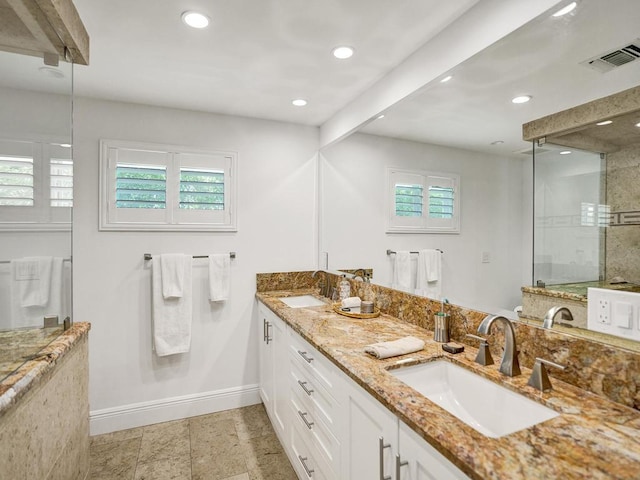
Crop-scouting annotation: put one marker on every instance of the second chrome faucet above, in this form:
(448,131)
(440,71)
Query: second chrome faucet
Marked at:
(509,364)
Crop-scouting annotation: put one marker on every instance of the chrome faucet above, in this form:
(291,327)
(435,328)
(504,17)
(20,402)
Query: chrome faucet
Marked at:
(564,312)
(509,364)
(325,286)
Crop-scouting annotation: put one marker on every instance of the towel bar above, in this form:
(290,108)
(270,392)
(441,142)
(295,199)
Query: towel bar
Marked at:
(391,252)
(148,256)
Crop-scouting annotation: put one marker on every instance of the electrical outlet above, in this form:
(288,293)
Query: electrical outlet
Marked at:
(486,257)
(604,311)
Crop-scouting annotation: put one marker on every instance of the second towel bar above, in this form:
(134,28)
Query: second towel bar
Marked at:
(148,256)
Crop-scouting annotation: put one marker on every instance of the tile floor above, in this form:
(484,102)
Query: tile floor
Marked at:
(231,445)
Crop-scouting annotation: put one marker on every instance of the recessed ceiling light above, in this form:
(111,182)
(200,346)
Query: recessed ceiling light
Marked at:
(565,10)
(380,116)
(195,19)
(497,142)
(638,124)
(343,52)
(446,79)
(51,72)
(606,122)
(521,99)
(299,102)
(565,152)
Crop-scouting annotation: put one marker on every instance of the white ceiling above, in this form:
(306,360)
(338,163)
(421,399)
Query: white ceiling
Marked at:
(260,54)
(256,56)
(541,59)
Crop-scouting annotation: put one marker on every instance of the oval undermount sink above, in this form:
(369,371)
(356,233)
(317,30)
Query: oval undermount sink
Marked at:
(301,301)
(489,408)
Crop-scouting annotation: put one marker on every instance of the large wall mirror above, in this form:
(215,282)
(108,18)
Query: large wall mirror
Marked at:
(36,194)
(468,126)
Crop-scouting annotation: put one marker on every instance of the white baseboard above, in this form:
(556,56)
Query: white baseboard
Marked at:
(147,413)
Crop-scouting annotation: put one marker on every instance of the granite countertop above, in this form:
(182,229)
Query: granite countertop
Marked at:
(39,367)
(591,438)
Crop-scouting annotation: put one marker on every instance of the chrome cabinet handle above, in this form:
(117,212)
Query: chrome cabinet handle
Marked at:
(268,338)
(303,416)
(303,461)
(306,390)
(264,329)
(399,465)
(304,355)
(381,447)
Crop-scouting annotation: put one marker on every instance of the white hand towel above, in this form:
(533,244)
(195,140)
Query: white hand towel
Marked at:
(429,272)
(172,265)
(402,271)
(219,277)
(32,277)
(171,316)
(401,346)
(29,304)
(351,302)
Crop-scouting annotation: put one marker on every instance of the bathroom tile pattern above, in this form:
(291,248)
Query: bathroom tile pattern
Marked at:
(592,438)
(610,369)
(45,435)
(623,241)
(230,445)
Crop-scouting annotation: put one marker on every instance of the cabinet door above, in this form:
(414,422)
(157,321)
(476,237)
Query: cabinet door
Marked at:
(420,461)
(371,438)
(265,358)
(280,365)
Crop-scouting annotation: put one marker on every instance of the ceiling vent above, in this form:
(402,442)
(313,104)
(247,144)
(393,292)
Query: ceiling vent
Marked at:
(616,58)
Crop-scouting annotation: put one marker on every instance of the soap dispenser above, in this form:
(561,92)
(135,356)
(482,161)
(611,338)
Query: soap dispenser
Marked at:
(344,287)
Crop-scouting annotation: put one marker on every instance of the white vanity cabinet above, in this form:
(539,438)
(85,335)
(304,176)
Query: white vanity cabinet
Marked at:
(418,460)
(380,446)
(273,367)
(316,411)
(330,427)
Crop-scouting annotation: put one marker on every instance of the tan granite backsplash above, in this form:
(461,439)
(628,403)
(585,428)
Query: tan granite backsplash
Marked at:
(609,371)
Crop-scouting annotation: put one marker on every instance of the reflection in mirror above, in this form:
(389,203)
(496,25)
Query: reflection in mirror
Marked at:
(36,194)
(569,215)
(468,126)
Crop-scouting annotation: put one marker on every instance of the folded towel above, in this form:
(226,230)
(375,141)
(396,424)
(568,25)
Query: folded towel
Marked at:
(428,276)
(402,271)
(351,302)
(219,277)
(401,346)
(32,277)
(171,316)
(31,298)
(172,266)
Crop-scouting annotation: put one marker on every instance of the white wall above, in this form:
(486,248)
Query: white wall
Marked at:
(129,384)
(493,190)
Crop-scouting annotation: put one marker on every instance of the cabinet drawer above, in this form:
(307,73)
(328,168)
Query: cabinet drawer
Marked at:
(313,361)
(306,460)
(314,396)
(315,431)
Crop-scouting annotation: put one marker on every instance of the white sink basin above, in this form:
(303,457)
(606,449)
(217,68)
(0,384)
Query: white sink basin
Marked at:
(491,409)
(301,301)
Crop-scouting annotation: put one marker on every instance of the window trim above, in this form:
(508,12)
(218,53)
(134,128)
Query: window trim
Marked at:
(172,218)
(423,224)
